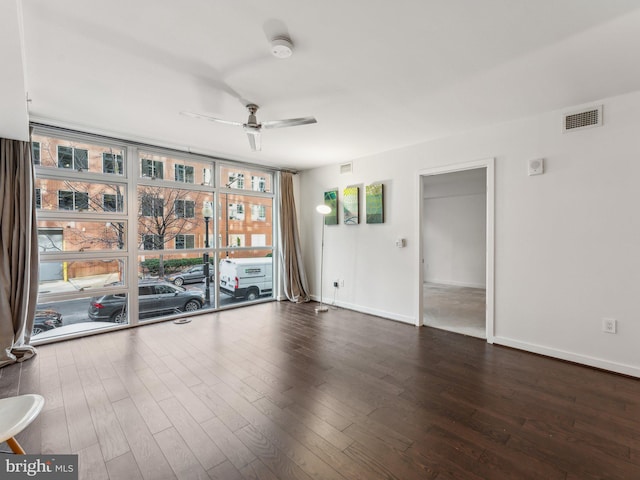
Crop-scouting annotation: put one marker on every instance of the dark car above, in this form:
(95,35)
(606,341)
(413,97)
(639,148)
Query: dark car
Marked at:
(45,320)
(191,275)
(154,299)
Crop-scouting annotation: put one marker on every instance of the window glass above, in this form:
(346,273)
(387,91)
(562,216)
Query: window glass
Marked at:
(239,178)
(242,217)
(80,196)
(112,163)
(82,314)
(172,218)
(245,276)
(56,153)
(162,167)
(79,236)
(79,275)
(35,152)
(183,276)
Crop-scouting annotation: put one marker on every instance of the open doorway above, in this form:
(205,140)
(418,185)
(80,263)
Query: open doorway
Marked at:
(456,249)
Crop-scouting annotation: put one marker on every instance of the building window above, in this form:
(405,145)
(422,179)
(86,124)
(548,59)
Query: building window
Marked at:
(259,184)
(258,240)
(112,163)
(152,168)
(152,242)
(73,158)
(236,240)
(236,180)
(206,176)
(185,241)
(152,206)
(112,202)
(236,211)
(35,152)
(258,213)
(38,198)
(184,174)
(185,208)
(68,200)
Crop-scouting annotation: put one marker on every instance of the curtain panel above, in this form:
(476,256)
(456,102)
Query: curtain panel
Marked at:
(294,277)
(18,251)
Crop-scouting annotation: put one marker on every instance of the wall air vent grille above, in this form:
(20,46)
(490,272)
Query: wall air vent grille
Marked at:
(346,168)
(591,117)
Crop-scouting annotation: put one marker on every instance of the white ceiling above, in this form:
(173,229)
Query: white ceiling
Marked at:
(377,74)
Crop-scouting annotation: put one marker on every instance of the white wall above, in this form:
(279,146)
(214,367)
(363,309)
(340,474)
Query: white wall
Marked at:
(14,120)
(454,228)
(567,242)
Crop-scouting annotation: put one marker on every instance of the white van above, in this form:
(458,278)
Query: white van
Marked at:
(246,278)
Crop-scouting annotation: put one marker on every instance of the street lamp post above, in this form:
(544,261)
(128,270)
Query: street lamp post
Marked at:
(207,213)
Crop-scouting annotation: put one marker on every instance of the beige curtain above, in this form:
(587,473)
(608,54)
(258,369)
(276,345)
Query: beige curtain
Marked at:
(18,251)
(295,280)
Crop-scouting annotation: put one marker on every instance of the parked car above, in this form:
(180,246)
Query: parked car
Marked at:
(192,275)
(46,320)
(155,298)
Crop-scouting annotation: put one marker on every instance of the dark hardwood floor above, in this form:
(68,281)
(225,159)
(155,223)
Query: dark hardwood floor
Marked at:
(274,391)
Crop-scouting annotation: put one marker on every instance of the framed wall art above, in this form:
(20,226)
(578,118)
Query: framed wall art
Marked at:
(350,205)
(331,199)
(375,203)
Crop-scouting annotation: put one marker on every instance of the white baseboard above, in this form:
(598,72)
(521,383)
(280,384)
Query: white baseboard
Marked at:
(624,369)
(370,311)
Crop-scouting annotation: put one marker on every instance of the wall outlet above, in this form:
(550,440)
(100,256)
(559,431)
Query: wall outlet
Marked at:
(335,284)
(342,283)
(609,325)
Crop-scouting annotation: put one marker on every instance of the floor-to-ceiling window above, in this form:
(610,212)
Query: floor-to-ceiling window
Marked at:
(130,234)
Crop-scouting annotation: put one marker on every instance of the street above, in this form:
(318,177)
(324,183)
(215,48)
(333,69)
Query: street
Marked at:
(76,311)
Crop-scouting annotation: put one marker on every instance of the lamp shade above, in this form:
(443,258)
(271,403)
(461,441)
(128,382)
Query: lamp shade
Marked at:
(207,210)
(323,209)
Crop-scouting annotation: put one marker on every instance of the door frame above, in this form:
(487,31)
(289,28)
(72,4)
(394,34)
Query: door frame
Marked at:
(489,164)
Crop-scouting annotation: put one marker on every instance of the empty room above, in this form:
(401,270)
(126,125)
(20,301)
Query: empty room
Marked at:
(333,240)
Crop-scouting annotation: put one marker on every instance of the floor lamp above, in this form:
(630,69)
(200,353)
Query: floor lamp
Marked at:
(322,210)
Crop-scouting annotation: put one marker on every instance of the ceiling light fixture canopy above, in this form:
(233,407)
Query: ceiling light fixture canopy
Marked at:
(281,47)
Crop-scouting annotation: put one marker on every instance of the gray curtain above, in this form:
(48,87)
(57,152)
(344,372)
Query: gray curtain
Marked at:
(295,280)
(18,251)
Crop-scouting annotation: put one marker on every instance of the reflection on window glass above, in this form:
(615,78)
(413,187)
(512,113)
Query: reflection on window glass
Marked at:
(73,158)
(152,168)
(112,163)
(35,152)
(152,242)
(185,208)
(69,200)
(184,241)
(184,173)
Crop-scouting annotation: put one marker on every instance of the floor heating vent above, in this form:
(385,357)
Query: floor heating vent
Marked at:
(586,118)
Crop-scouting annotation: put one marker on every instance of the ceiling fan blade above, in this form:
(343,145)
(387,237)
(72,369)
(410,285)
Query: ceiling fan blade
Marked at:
(291,122)
(210,118)
(254,141)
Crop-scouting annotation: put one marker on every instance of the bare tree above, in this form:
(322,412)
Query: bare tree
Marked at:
(163,214)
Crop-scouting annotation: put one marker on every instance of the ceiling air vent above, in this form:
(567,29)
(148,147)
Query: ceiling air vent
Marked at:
(346,168)
(586,118)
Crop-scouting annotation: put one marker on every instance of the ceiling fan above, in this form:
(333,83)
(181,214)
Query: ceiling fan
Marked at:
(252,127)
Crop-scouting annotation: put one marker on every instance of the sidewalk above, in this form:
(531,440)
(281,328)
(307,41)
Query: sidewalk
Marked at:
(79,284)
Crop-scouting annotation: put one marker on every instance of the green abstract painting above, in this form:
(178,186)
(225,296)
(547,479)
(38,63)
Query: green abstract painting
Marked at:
(331,199)
(350,204)
(375,203)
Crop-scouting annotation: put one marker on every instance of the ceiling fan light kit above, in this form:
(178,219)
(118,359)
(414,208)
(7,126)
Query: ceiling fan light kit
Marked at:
(281,47)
